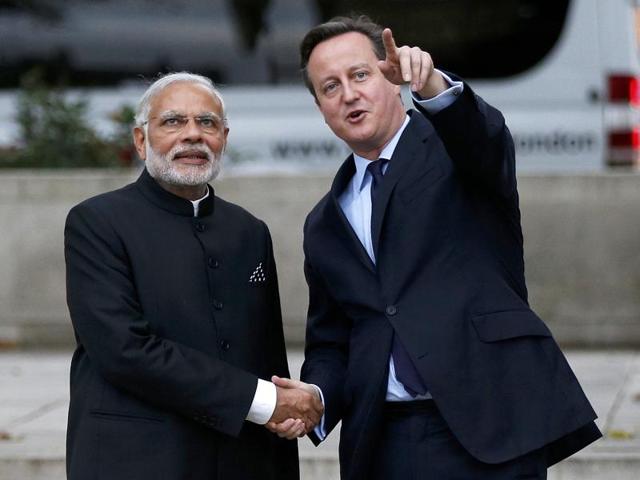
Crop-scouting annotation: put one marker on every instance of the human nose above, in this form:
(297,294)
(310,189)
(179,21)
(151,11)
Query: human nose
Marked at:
(350,93)
(191,132)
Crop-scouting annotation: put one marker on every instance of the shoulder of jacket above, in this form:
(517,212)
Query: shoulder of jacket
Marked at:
(108,201)
(235,211)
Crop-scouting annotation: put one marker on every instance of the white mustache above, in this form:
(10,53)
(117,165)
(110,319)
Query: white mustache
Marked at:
(196,149)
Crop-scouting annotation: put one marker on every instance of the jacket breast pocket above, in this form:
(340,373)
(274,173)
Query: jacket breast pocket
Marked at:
(498,326)
(424,180)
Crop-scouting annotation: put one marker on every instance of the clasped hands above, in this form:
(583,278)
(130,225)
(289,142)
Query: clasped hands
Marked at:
(298,408)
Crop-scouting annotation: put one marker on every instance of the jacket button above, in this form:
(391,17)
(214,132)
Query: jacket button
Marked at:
(217,304)
(200,227)
(224,345)
(213,263)
(391,310)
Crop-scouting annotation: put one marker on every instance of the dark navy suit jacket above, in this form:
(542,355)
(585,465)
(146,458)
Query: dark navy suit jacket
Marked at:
(449,281)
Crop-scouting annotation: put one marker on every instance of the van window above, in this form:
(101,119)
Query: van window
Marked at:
(475,39)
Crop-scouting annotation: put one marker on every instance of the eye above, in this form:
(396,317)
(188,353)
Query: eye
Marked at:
(330,87)
(172,121)
(207,122)
(361,75)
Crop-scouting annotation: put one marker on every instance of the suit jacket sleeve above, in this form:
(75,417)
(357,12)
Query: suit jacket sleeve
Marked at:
(326,348)
(478,141)
(111,326)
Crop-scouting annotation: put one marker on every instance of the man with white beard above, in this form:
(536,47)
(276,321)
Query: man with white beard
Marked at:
(174,301)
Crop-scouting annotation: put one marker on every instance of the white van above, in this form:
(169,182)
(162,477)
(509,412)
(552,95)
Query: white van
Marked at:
(578,107)
(573,109)
(565,73)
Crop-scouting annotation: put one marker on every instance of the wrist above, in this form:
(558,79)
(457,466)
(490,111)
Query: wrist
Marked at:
(435,85)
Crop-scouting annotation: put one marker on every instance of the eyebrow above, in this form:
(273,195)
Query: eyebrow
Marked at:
(352,68)
(359,65)
(175,113)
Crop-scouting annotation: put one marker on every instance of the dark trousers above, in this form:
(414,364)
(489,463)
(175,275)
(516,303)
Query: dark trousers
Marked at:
(416,444)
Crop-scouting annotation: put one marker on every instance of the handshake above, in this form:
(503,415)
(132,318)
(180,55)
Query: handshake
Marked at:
(298,408)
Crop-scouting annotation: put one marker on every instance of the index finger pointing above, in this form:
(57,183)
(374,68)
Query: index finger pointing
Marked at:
(390,47)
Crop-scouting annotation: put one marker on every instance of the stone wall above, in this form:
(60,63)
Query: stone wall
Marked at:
(582,244)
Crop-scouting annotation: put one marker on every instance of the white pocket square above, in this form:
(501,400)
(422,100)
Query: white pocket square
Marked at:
(258,275)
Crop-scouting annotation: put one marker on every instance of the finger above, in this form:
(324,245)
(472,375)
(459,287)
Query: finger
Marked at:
(292,430)
(296,433)
(390,48)
(300,430)
(271,426)
(425,71)
(416,66)
(405,63)
(285,425)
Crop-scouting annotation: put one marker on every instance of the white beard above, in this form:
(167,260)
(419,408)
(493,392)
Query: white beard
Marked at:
(162,167)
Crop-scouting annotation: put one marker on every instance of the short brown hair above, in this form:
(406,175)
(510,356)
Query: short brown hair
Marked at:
(334,27)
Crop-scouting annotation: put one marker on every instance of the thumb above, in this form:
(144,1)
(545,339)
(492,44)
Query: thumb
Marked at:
(283,382)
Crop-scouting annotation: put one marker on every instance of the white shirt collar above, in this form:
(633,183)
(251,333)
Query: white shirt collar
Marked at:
(196,203)
(387,152)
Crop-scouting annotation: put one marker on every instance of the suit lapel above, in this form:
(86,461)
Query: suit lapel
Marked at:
(338,220)
(409,146)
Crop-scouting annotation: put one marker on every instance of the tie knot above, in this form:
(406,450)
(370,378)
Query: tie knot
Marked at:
(375,168)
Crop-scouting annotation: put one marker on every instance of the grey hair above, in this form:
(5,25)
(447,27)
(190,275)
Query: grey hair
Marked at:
(144,105)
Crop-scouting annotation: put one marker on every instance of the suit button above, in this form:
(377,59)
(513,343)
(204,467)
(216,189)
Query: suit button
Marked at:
(213,263)
(200,227)
(224,345)
(391,310)
(217,304)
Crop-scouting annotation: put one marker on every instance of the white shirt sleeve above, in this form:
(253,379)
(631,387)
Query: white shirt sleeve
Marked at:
(319,430)
(443,100)
(264,403)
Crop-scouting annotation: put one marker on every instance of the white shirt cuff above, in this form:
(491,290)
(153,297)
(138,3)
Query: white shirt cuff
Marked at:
(264,403)
(319,430)
(443,99)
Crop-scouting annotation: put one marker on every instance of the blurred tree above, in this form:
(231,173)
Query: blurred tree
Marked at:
(122,140)
(54,131)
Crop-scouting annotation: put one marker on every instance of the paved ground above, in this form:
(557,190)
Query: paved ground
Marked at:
(34,396)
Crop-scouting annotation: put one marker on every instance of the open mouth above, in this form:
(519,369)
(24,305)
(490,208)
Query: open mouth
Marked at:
(355,115)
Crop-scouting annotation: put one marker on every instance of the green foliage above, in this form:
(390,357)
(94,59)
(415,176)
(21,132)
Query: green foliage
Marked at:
(122,140)
(55,132)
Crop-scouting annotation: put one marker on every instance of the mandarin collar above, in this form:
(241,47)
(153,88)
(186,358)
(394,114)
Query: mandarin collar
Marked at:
(166,200)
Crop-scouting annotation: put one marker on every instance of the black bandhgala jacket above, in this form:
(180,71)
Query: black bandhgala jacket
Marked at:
(176,317)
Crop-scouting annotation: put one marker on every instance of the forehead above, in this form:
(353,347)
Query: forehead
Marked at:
(340,51)
(185,97)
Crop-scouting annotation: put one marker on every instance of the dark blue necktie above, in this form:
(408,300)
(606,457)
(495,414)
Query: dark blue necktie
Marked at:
(406,372)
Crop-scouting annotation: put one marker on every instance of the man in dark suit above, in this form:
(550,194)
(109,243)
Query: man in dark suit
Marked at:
(419,333)
(174,301)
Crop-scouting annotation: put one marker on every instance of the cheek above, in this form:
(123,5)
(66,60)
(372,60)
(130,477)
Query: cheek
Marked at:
(216,142)
(160,145)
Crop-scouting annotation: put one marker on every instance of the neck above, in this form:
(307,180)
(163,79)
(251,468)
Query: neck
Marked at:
(188,192)
(369,153)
